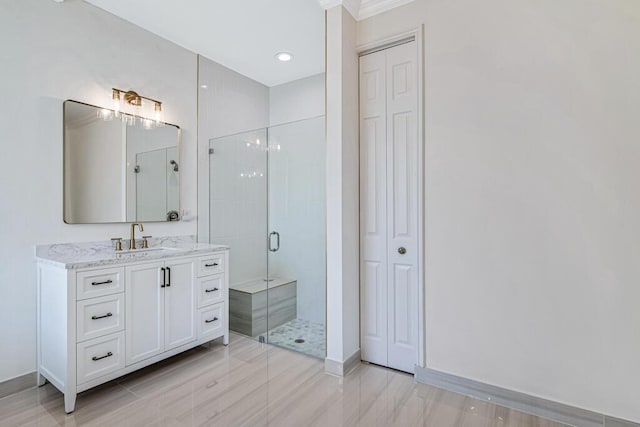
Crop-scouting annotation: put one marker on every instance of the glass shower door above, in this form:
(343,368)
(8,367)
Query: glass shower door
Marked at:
(238,218)
(267,202)
(296,244)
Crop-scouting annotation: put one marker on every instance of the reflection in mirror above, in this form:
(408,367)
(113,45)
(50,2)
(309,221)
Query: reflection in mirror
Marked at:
(118,172)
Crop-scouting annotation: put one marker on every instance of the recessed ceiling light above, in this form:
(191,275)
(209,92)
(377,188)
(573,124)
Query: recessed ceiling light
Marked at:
(284,56)
(204,86)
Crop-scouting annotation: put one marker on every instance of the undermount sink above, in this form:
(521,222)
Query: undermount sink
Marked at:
(144,251)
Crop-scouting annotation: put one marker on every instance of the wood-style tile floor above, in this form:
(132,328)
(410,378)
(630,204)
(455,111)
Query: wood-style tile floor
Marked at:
(253,384)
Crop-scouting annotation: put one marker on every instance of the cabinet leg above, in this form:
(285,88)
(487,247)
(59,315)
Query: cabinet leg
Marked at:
(225,339)
(41,380)
(69,402)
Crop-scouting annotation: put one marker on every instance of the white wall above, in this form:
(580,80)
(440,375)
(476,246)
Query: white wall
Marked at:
(297,100)
(532,209)
(343,315)
(51,52)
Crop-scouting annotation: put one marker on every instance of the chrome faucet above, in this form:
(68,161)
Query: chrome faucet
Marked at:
(132,242)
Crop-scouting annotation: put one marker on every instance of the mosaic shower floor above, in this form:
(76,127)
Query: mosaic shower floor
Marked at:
(300,335)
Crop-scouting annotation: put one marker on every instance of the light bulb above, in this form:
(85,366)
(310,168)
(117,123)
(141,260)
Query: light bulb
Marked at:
(157,113)
(115,95)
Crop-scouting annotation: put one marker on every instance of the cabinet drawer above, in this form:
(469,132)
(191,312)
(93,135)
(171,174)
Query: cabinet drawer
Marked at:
(100,356)
(100,316)
(96,283)
(211,321)
(211,264)
(210,290)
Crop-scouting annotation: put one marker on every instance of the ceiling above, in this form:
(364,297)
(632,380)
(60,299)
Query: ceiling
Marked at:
(243,35)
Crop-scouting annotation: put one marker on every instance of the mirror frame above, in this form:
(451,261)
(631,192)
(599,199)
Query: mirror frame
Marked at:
(64,166)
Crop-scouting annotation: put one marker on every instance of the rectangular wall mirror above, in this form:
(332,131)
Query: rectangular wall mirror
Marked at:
(116,170)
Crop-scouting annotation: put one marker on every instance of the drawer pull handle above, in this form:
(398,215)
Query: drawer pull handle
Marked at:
(95,358)
(215,264)
(211,290)
(101,317)
(211,320)
(106,282)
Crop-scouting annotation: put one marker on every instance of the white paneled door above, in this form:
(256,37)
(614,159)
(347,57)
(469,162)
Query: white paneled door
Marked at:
(390,173)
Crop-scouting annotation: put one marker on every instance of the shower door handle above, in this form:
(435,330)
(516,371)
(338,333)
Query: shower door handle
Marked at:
(274,233)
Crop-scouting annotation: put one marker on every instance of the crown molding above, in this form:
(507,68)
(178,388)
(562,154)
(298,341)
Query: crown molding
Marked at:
(363,9)
(352,6)
(369,8)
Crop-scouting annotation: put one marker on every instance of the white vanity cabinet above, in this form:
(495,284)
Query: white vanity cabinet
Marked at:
(101,322)
(159,308)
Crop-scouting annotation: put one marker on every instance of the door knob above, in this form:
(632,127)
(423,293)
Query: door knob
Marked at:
(402,250)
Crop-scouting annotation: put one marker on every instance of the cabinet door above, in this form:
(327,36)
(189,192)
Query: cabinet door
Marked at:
(144,301)
(180,304)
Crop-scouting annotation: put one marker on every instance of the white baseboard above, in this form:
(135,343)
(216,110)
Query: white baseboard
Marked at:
(520,401)
(342,369)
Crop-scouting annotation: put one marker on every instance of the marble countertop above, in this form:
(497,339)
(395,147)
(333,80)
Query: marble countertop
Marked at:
(99,254)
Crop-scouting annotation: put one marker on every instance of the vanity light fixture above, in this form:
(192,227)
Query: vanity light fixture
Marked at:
(135,107)
(284,56)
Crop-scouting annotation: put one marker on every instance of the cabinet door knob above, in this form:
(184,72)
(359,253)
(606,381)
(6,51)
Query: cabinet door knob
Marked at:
(402,250)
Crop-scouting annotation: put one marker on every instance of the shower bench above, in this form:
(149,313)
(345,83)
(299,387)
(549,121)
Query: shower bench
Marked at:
(248,305)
